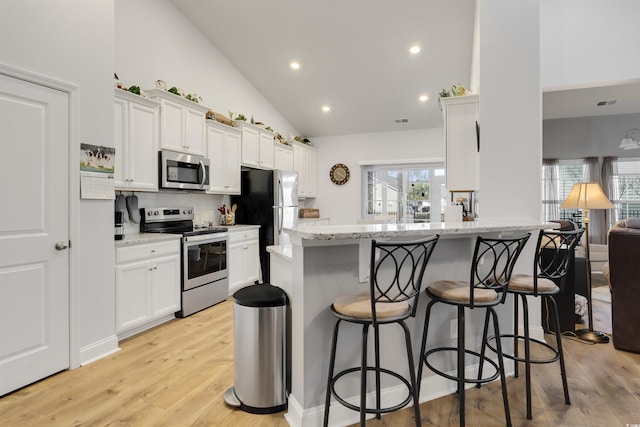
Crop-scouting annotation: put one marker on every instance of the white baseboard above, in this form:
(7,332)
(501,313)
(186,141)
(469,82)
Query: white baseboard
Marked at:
(98,350)
(432,387)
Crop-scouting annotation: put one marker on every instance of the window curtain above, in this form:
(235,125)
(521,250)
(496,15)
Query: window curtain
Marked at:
(550,208)
(609,173)
(597,224)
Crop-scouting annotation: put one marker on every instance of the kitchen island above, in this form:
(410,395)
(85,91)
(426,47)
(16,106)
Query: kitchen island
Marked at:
(328,261)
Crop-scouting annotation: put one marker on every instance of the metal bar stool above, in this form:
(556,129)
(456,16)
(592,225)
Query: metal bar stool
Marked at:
(491,267)
(554,251)
(396,272)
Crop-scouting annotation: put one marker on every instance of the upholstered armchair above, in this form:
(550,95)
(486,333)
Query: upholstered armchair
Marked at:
(623,271)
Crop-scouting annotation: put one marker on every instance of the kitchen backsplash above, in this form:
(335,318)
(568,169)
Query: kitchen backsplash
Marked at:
(206,205)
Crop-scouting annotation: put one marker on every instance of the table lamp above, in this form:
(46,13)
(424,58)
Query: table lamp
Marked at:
(586,196)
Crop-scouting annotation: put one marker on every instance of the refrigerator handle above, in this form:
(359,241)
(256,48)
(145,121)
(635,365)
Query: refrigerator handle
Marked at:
(280,193)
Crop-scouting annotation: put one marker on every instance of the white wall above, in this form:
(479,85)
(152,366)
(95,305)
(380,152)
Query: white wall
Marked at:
(589,41)
(581,137)
(342,203)
(155,41)
(72,40)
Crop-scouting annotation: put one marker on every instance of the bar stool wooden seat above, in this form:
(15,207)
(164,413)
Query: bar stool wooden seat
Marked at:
(491,267)
(554,251)
(395,277)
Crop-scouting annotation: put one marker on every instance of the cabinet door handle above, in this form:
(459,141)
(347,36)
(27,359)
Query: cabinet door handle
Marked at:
(478,135)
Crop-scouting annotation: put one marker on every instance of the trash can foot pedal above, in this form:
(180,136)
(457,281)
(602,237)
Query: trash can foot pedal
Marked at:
(230,398)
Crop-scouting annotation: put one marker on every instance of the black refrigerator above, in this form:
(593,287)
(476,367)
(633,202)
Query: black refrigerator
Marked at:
(270,199)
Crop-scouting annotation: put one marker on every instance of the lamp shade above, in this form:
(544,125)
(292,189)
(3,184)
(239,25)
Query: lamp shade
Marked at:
(587,195)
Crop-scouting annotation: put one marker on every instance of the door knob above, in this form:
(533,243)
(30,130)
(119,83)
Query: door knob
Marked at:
(61,246)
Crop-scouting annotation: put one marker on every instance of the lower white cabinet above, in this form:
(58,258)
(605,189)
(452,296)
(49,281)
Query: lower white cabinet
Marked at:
(244,258)
(147,286)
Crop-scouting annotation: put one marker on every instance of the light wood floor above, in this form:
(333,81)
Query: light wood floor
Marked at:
(176,374)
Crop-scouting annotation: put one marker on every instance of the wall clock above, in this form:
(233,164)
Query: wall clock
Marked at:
(339,174)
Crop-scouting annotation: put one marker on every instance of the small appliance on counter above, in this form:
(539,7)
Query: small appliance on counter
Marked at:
(118,230)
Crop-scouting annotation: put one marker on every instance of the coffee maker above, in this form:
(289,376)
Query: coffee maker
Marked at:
(119,225)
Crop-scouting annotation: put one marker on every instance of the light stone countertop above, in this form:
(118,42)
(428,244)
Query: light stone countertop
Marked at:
(238,227)
(453,229)
(141,238)
(303,220)
(285,252)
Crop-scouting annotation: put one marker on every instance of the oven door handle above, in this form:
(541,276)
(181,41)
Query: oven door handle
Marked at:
(213,237)
(204,173)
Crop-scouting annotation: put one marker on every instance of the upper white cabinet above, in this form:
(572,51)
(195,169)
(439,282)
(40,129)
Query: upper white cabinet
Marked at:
(283,157)
(257,146)
(304,164)
(135,128)
(182,123)
(462,142)
(224,150)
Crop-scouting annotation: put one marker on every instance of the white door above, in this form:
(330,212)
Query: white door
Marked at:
(34,219)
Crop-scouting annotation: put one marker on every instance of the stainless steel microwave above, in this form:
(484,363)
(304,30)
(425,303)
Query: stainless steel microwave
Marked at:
(183,171)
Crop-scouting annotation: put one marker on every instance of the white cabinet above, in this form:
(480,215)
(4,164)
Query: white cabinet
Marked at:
(147,286)
(244,258)
(135,129)
(257,146)
(182,123)
(283,157)
(304,163)
(224,150)
(462,144)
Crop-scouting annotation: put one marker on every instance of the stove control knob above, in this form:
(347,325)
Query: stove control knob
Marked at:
(149,213)
(156,213)
(190,211)
(184,211)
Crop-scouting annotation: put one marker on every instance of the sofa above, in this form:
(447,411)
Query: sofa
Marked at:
(623,271)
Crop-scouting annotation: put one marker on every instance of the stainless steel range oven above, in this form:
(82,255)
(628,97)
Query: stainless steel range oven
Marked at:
(205,258)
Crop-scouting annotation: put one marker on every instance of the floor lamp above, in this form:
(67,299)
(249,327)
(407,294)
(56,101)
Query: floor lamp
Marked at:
(586,196)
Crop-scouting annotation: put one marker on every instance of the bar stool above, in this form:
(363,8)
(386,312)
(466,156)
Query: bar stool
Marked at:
(395,277)
(491,267)
(554,251)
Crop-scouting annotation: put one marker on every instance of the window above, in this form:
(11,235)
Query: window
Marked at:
(626,190)
(556,186)
(403,193)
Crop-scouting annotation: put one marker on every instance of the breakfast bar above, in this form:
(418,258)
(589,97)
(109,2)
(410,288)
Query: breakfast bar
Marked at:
(329,261)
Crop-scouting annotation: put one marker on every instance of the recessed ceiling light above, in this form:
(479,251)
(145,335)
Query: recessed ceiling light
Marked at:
(295,65)
(423,98)
(414,49)
(326,108)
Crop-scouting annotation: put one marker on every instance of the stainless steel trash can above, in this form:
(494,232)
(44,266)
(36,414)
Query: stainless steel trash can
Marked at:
(259,316)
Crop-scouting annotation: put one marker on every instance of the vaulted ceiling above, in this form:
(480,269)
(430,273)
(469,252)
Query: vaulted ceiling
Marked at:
(354,58)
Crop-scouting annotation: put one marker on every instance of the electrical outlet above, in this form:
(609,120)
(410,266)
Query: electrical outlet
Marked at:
(453,328)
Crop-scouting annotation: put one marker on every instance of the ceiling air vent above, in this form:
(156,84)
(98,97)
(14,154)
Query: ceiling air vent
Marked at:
(402,120)
(604,103)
